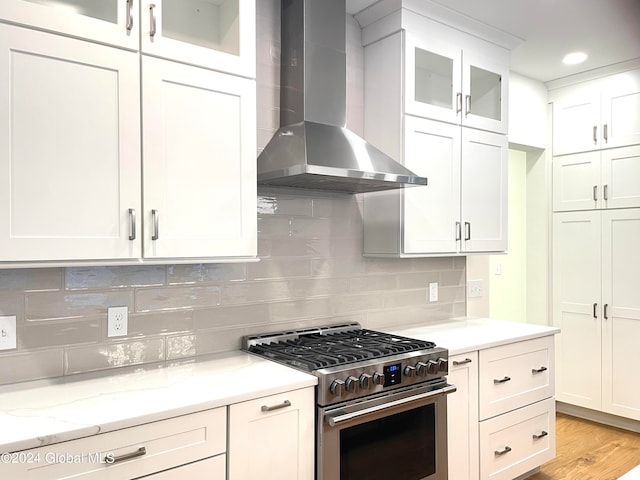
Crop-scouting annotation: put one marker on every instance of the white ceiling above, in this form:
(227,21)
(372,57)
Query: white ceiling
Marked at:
(607,30)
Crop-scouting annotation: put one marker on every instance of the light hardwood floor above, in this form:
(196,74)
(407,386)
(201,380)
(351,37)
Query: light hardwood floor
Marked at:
(590,451)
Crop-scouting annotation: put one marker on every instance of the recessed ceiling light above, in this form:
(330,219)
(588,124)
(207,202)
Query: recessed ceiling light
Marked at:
(574,58)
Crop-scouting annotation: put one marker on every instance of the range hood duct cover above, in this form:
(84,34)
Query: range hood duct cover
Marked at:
(313,149)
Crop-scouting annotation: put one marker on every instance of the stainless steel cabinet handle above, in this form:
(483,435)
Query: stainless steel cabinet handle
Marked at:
(155,214)
(506,449)
(502,380)
(542,435)
(110,459)
(606,133)
(606,314)
(270,408)
(595,134)
(595,193)
(605,192)
(539,370)
(462,362)
(458,102)
(132,224)
(467,230)
(458,231)
(595,308)
(467,108)
(129,15)
(152,20)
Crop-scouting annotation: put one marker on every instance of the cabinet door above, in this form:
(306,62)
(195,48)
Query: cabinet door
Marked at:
(576,182)
(432,149)
(576,307)
(621,323)
(621,110)
(576,120)
(484,191)
(433,72)
(114,22)
(199,162)
(273,438)
(70,148)
(462,417)
(621,177)
(215,34)
(486,90)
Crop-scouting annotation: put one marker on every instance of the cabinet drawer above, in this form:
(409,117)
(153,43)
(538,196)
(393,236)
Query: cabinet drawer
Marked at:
(516,442)
(214,468)
(166,444)
(515,375)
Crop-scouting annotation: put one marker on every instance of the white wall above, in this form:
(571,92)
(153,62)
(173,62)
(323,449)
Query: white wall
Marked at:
(527,112)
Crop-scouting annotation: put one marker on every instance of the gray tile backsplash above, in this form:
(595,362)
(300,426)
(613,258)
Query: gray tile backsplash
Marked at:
(311,272)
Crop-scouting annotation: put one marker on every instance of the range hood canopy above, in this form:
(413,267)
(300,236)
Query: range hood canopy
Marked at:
(313,149)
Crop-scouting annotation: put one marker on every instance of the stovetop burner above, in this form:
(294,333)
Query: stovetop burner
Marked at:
(314,351)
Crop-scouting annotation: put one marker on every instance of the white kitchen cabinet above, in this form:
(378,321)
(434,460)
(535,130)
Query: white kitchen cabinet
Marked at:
(70,148)
(599,179)
(597,114)
(199,162)
(215,34)
(462,417)
(273,438)
(595,303)
(214,468)
(462,209)
(132,452)
(112,22)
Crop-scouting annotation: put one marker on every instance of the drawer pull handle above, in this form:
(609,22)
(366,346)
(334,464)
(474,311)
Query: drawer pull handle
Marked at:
(267,408)
(506,449)
(502,380)
(462,362)
(542,434)
(110,459)
(539,370)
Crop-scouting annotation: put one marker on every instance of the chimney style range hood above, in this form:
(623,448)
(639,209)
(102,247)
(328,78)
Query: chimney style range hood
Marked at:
(313,149)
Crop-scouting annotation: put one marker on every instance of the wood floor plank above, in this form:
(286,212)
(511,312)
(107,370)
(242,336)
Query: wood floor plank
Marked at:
(587,450)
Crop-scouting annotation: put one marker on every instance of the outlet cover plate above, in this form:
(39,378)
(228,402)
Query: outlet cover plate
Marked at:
(474,288)
(8,335)
(433,292)
(117,321)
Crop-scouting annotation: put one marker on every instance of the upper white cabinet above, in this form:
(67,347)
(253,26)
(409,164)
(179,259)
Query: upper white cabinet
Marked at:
(453,78)
(599,179)
(217,34)
(598,114)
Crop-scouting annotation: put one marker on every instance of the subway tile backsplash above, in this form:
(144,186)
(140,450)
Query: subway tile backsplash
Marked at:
(311,272)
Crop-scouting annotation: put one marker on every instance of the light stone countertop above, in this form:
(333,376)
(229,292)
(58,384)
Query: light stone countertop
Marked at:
(43,412)
(469,334)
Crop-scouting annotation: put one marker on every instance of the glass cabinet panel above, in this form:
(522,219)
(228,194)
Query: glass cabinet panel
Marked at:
(101,9)
(486,93)
(433,79)
(213,24)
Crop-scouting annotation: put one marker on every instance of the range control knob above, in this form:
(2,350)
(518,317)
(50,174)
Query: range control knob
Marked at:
(337,387)
(409,370)
(351,383)
(378,378)
(432,366)
(443,364)
(365,381)
(421,369)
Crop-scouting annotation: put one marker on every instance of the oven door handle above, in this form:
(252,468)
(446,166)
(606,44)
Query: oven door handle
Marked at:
(336,418)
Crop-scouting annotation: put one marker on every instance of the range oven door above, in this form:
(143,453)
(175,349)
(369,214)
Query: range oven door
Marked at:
(401,435)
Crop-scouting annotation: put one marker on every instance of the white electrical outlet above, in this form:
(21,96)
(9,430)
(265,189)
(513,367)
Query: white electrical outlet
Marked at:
(474,288)
(8,335)
(117,321)
(433,292)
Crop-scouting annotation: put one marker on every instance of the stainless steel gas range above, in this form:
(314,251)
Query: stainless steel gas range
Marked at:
(381,400)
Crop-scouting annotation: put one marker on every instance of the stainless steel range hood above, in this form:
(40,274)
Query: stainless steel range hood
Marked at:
(313,149)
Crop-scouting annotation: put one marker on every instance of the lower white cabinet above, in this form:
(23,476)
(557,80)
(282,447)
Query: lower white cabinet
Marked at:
(501,419)
(272,438)
(214,468)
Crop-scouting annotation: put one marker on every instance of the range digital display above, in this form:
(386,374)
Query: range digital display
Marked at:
(392,374)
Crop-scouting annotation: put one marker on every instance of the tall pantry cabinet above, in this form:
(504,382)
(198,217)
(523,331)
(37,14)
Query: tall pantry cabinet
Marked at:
(436,101)
(596,234)
(130,130)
